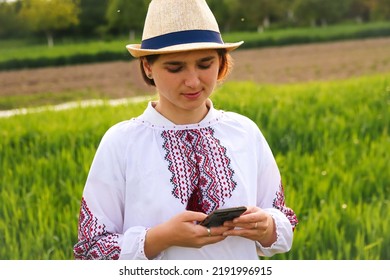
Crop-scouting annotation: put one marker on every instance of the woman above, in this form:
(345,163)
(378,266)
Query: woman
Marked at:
(154,178)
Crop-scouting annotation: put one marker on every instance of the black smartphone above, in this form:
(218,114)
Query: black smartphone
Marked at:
(219,216)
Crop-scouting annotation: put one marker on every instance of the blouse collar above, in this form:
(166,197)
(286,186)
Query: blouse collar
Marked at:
(153,118)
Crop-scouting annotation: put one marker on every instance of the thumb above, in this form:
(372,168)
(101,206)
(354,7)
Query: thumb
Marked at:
(194,216)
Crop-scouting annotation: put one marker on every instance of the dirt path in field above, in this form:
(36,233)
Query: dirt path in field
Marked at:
(326,61)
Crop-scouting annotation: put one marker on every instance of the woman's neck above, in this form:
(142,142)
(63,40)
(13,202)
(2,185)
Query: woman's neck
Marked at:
(182,116)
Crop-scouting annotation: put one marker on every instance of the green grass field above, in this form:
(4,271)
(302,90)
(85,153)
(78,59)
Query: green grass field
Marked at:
(330,139)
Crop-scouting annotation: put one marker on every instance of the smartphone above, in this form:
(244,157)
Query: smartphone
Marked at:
(219,216)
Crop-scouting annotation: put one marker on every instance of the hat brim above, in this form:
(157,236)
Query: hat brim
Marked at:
(136,51)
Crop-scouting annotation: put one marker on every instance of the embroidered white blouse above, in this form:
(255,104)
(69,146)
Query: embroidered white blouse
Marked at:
(147,169)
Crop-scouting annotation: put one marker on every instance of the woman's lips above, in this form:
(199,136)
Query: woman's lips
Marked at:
(192,95)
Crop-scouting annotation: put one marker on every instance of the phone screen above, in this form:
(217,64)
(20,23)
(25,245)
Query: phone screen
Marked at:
(219,216)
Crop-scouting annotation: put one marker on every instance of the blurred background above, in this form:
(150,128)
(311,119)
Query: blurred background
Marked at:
(86,19)
(36,34)
(313,74)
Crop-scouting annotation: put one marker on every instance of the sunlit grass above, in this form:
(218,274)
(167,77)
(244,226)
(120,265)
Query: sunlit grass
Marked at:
(330,139)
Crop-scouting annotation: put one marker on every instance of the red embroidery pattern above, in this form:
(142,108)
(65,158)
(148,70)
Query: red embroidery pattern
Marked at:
(279,203)
(201,172)
(94,241)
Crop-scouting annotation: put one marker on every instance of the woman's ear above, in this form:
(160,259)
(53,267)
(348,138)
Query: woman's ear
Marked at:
(147,67)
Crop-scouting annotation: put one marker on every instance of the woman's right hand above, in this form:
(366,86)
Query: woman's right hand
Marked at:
(182,230)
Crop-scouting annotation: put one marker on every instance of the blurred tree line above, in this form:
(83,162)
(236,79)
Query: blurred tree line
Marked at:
(105,18)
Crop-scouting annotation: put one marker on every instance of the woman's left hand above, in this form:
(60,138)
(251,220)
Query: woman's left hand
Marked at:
(254,224)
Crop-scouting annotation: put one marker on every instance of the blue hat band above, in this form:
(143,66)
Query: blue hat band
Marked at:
(182,37)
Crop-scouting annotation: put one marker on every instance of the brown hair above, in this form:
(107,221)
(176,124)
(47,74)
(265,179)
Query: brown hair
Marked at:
(226,64)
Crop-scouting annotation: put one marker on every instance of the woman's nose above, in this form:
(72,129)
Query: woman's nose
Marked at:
(192,79)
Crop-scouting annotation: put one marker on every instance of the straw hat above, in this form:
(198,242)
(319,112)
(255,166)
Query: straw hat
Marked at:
(179,25)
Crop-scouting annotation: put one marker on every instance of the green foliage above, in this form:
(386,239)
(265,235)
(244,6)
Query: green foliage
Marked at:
(9,21)
(330,139)
(46,99)
(26,56)
(292,36)
(125,15)
(44,160)
(108,17)
(91,17)
(49,16)
(225,11)
(379,9)
(16,55)
(319,12)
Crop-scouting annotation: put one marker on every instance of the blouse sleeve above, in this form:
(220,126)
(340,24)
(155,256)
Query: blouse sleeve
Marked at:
(100,227)
(271,199)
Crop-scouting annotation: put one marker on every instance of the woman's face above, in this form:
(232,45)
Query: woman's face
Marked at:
(184,80)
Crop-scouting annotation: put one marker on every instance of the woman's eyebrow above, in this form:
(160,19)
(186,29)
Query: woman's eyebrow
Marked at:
(173,63)
(208,58)
(177,63)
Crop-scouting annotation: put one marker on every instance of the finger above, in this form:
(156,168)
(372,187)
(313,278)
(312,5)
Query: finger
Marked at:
(240,232)
(213,239)
(246,221)
(251,209)
(215,231)
(213,235)
(244,224)
(190,216)
(250,218)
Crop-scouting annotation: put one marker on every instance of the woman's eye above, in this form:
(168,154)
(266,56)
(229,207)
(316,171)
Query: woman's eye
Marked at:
(204,66)
(174,69)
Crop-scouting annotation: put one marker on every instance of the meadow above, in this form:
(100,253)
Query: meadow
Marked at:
(330,139)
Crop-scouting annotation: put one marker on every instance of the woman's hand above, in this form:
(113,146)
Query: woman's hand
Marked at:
(182,230)
(254,224)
